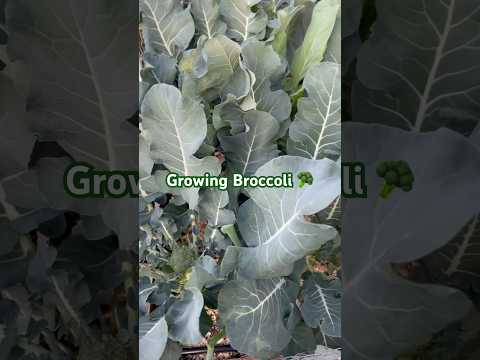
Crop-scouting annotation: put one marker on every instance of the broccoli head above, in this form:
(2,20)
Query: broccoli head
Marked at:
(396,174)
(305,177)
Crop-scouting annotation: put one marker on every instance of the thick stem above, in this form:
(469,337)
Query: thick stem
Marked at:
(211,344)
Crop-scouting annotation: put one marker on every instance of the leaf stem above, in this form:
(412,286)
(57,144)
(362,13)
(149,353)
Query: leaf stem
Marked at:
(212,342)
(232,234)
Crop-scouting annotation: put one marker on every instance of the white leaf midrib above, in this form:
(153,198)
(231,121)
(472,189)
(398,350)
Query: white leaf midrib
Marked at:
(278,286)
(101,104)
(462,249)
(325,304)
(327,115)
(159,29)
(423,107)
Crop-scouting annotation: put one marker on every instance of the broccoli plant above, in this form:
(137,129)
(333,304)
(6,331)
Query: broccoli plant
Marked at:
(251,88)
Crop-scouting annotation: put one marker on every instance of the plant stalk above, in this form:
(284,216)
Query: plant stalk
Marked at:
(232,234)
(212,342)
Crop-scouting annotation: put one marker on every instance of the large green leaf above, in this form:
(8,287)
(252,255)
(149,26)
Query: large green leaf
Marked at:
(215,70)
(332,215)
(315,133)
(177,127)
(419,70)
(205,273)
(326,353)
(19,295)
(183,318)
(212,208)
(145,161)
(253,314)
(247,151)
(19,190)
(280,34)
(158,68)
(316,39)
(456,264)
(168,27)
(272,222)
(207,17)
(172,351)
(267,66)
(399,313)
(242,22)
(83,93)
(153,338)
(15,131)
(322,302)
(333,53)
(303,339)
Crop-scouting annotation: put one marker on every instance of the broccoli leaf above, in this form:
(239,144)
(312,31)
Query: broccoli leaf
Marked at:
(183,318)
(456,264)
(303,340)
(321,304)
(212,208)
(315,133)
(205,272)
(316,39)
(177,127)
(215,69)
(80,107)
(408,312)
(426,53)
(168,26)
(272,222)
(153,337)
(268,68)
(241,21)
(207,17)
(333,52)
(253,312)
(248,150)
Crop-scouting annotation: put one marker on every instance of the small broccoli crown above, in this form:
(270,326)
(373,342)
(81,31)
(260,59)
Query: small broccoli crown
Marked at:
(396,174)
(403,168)
(391,165)
(391,177)
(407,188)
(304,174)
(382,169)
(406,180)
(305,178)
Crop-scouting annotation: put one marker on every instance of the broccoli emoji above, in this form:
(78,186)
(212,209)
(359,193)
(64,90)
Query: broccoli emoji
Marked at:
(397,174)
(305,178)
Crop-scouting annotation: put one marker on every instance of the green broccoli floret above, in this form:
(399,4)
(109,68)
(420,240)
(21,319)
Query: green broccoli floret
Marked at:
(391,177)
(403,168)
(395,174)
(406,180)
(406,187)
(305,178)
(382,169)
